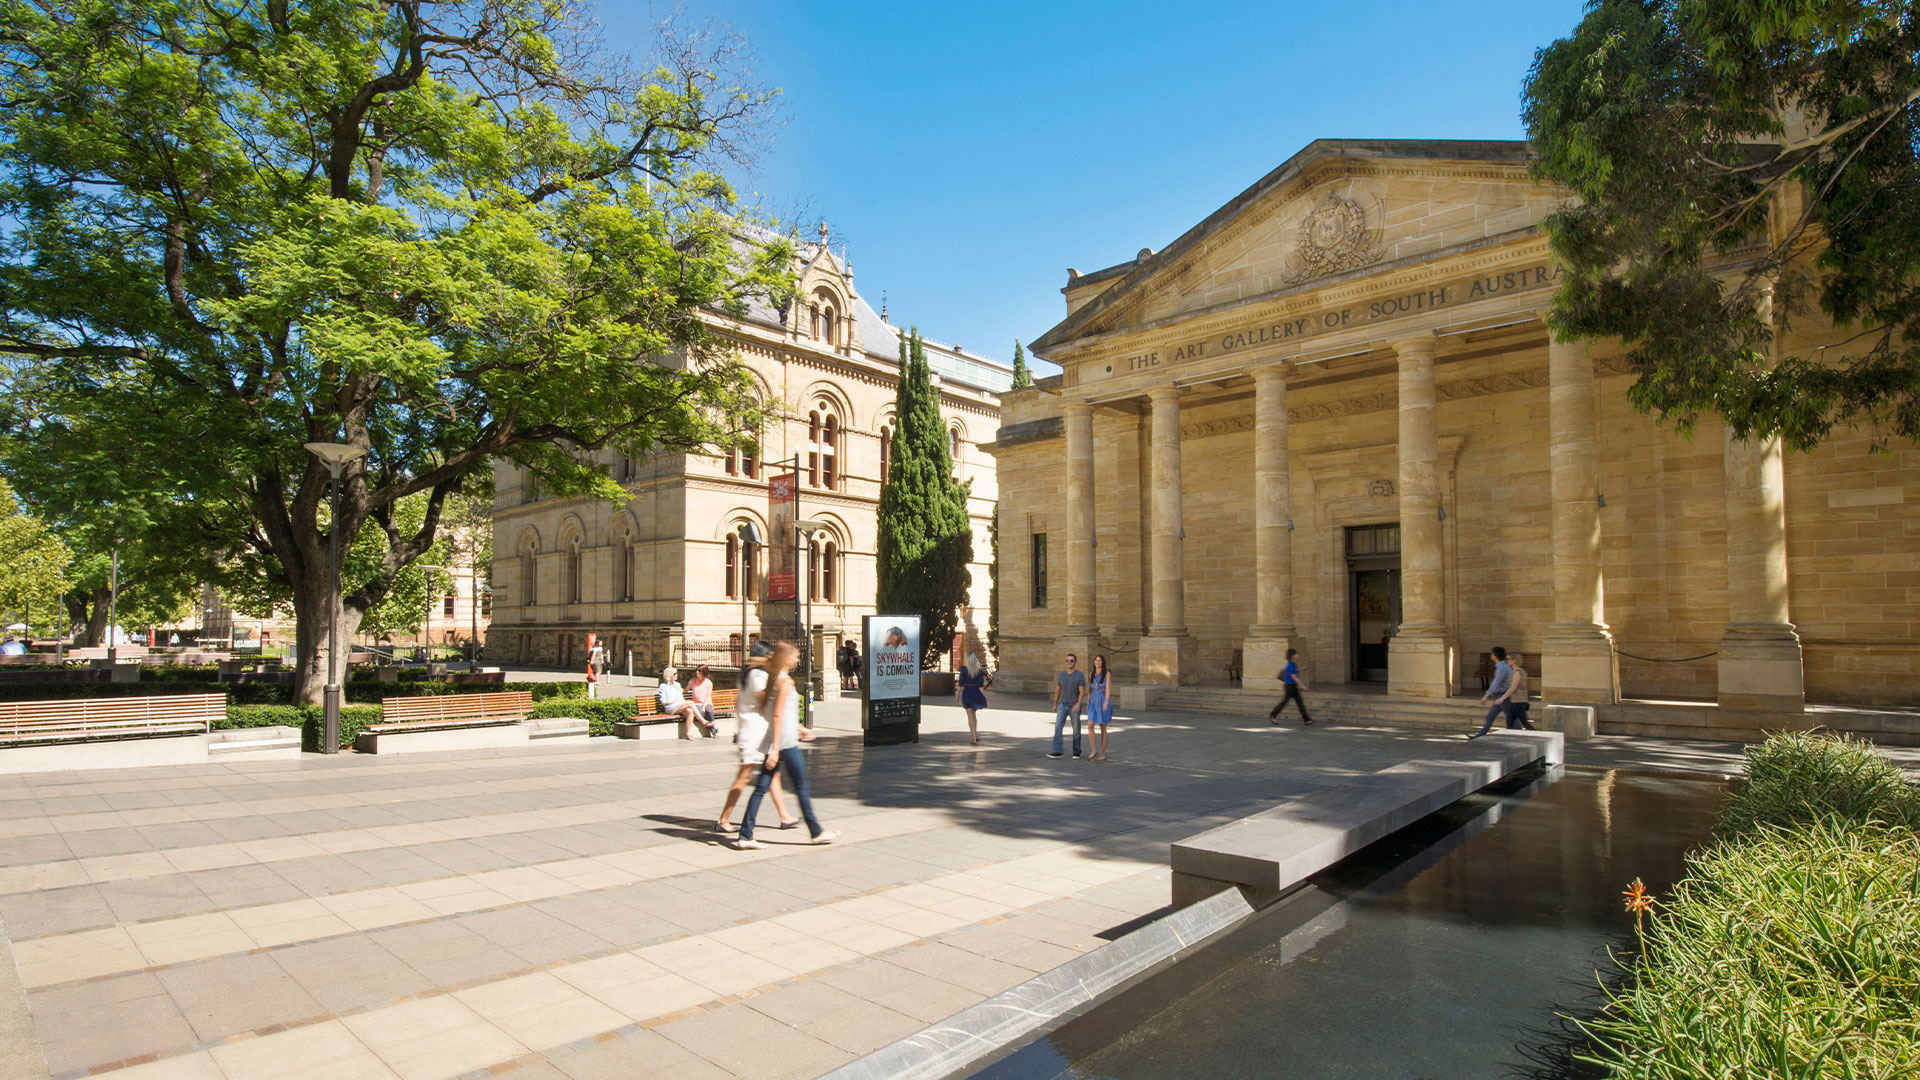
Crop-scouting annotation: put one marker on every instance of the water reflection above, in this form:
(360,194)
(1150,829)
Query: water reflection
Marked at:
(1444,951)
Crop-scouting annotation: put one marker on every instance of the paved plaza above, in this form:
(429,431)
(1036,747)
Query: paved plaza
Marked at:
(564,912)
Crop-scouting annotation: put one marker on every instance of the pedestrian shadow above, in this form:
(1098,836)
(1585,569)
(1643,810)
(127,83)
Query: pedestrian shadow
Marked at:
(681,827)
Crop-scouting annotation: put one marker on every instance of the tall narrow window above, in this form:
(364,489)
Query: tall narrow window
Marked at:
(446,605)
(827,326)
(953,444)
(813,449)
(749,465)
(733,462)
(629,562)
(573,571)
(750,569)
(886,452)
(830,573)
(830,453)
(1039,570)
(815,329)
(813,569)
(529,575)
(733,567)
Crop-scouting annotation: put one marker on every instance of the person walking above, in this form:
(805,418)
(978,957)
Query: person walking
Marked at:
(969,687)
(846,665)
(781,704)
(1294,682)
(1517,703)
(751,741)
(1069,697)
(596,664)
(1099,708)
(1501,691)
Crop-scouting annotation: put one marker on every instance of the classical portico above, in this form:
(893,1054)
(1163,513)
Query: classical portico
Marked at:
(1332,418)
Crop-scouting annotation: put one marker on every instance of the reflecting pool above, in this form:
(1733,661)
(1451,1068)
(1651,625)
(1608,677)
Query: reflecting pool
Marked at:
(1444,951)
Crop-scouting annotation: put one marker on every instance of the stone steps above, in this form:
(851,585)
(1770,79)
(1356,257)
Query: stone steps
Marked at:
(1451,714)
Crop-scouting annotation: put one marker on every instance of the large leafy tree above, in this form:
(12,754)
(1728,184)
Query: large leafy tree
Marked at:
(438,232)
(1720,151)
(33,564)
(925,537)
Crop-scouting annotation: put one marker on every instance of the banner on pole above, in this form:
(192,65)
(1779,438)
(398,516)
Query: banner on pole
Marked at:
(783,509)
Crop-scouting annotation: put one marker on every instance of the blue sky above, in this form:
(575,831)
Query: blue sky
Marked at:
(967,154)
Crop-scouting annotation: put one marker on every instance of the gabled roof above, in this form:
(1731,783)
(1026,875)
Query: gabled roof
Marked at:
(1135,273)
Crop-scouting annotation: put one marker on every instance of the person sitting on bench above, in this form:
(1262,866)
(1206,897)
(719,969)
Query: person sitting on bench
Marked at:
(673,702)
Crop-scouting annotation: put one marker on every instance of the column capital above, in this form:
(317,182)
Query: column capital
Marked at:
(1270,370)
(1167,392)
(1077,408)
(1421,341)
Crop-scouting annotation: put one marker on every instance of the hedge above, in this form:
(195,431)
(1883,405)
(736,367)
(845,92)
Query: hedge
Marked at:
(367,692)
(1792,946)
(599,715)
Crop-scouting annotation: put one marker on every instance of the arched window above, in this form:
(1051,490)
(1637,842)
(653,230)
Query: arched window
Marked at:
(625,557)
(827,326)
(953,444)
(886,453)
(830,453)
(733,567)
(830,573)
(814,331)
(749,464)
(813,569)
(572,589)
(529,573)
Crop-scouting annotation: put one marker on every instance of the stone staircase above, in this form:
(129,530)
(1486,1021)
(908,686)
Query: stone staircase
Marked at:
(1338,704)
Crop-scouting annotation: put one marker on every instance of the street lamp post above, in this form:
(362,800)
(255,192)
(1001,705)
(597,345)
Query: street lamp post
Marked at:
(335,456)
(804,531)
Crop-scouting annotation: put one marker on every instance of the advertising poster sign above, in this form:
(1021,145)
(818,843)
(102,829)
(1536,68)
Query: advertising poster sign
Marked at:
(890,711)
(783,509)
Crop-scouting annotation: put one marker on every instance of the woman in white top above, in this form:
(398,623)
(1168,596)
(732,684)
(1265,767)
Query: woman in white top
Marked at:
(752,741)
(673,702)
(781,704)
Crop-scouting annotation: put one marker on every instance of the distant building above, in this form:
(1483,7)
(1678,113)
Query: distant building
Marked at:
(674,572)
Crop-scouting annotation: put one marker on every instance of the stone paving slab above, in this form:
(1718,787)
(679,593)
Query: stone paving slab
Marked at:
(565,911)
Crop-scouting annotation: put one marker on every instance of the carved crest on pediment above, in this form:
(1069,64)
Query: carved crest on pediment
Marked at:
(1334,237)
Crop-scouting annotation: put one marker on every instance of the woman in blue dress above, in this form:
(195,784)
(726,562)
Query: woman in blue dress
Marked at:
(1099,708)
(967,687)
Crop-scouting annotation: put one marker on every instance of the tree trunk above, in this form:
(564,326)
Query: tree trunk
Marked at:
(87,614)
(311,599)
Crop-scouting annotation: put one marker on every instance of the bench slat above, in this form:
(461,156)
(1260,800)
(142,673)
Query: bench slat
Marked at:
(23,721)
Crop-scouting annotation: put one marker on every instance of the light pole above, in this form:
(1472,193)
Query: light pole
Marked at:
(437,597)
(750,538)
(335,456)
(804,531)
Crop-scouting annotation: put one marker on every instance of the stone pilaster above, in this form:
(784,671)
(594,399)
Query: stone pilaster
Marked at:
(1081,617)
(1264,650)
(1760,659)
(1167,654)
(1420,657)
(1579,665)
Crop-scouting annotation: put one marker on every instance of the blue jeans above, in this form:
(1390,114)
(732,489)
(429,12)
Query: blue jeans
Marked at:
(795,767)
(1516,715)
(1060,722)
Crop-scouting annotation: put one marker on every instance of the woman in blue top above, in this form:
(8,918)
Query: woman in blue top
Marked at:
(968,685)
(1099,708)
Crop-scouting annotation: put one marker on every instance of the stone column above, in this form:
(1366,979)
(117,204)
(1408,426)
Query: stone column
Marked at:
(1264,651)
(1760,661)
(1420,656)
(1579,665)
(1081,635)
(1167,655)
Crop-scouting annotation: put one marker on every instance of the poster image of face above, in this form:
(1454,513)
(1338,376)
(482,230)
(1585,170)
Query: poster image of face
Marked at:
(783,509)
(893,656)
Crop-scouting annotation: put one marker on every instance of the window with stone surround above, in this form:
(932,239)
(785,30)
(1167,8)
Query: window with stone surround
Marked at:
(1039,570)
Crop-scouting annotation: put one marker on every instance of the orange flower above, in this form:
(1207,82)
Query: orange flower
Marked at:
(1639,900)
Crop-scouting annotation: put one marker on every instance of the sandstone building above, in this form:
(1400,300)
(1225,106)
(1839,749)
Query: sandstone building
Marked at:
(1330,417)
(673,573)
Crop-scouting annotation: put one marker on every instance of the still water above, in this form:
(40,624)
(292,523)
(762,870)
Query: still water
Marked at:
(1442,952)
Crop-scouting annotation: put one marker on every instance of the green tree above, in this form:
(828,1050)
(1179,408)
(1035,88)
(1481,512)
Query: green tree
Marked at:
(1721,151)
(1022,378)
(925,538)
(441,233)
(33,564)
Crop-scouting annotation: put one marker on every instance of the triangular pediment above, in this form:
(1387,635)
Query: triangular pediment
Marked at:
(1334,210)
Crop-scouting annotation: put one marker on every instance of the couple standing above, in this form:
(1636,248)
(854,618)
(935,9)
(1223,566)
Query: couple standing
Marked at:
(1073,692)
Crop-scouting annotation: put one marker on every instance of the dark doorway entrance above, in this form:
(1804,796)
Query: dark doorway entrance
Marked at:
(1373,597)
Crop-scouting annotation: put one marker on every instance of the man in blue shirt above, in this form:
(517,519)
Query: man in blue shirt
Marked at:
(1498,692)
(1290,677)
(1069,698)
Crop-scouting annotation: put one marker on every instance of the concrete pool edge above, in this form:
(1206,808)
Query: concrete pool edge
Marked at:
(995,1024)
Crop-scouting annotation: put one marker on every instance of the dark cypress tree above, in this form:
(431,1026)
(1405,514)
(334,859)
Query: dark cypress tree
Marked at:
(925,538)
(1022,378)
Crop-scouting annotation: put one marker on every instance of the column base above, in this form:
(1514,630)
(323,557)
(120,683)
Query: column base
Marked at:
(1761,668)
(1261,658)
(1578,665)
(1420,664)
(1169,660)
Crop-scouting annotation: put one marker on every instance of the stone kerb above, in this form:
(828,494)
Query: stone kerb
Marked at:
(1271,852)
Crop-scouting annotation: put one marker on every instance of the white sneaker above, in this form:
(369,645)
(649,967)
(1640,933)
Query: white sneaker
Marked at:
(826,837)
(747,845)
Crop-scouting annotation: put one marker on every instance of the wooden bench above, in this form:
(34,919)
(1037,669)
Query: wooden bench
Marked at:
(57,675)
(1234,666)
(27,722)
(1530,662)
(647,707)
(449,713)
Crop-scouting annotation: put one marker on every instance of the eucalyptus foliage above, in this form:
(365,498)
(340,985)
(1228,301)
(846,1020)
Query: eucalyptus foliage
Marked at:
(438,232)
(925,536)
(1721,151)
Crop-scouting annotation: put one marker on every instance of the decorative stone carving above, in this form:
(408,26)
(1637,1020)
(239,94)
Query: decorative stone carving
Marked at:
(1334,237)
(1327,410)
(1504,383)
(1380,488)
(1224,426)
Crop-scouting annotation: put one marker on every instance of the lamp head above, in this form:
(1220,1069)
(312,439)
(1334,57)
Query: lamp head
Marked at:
(335,456)
(808,528)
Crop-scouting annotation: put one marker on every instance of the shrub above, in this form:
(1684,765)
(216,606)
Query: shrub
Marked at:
(1790,952)
(599,715)
(248,716)
(1803,777)
(352,719)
